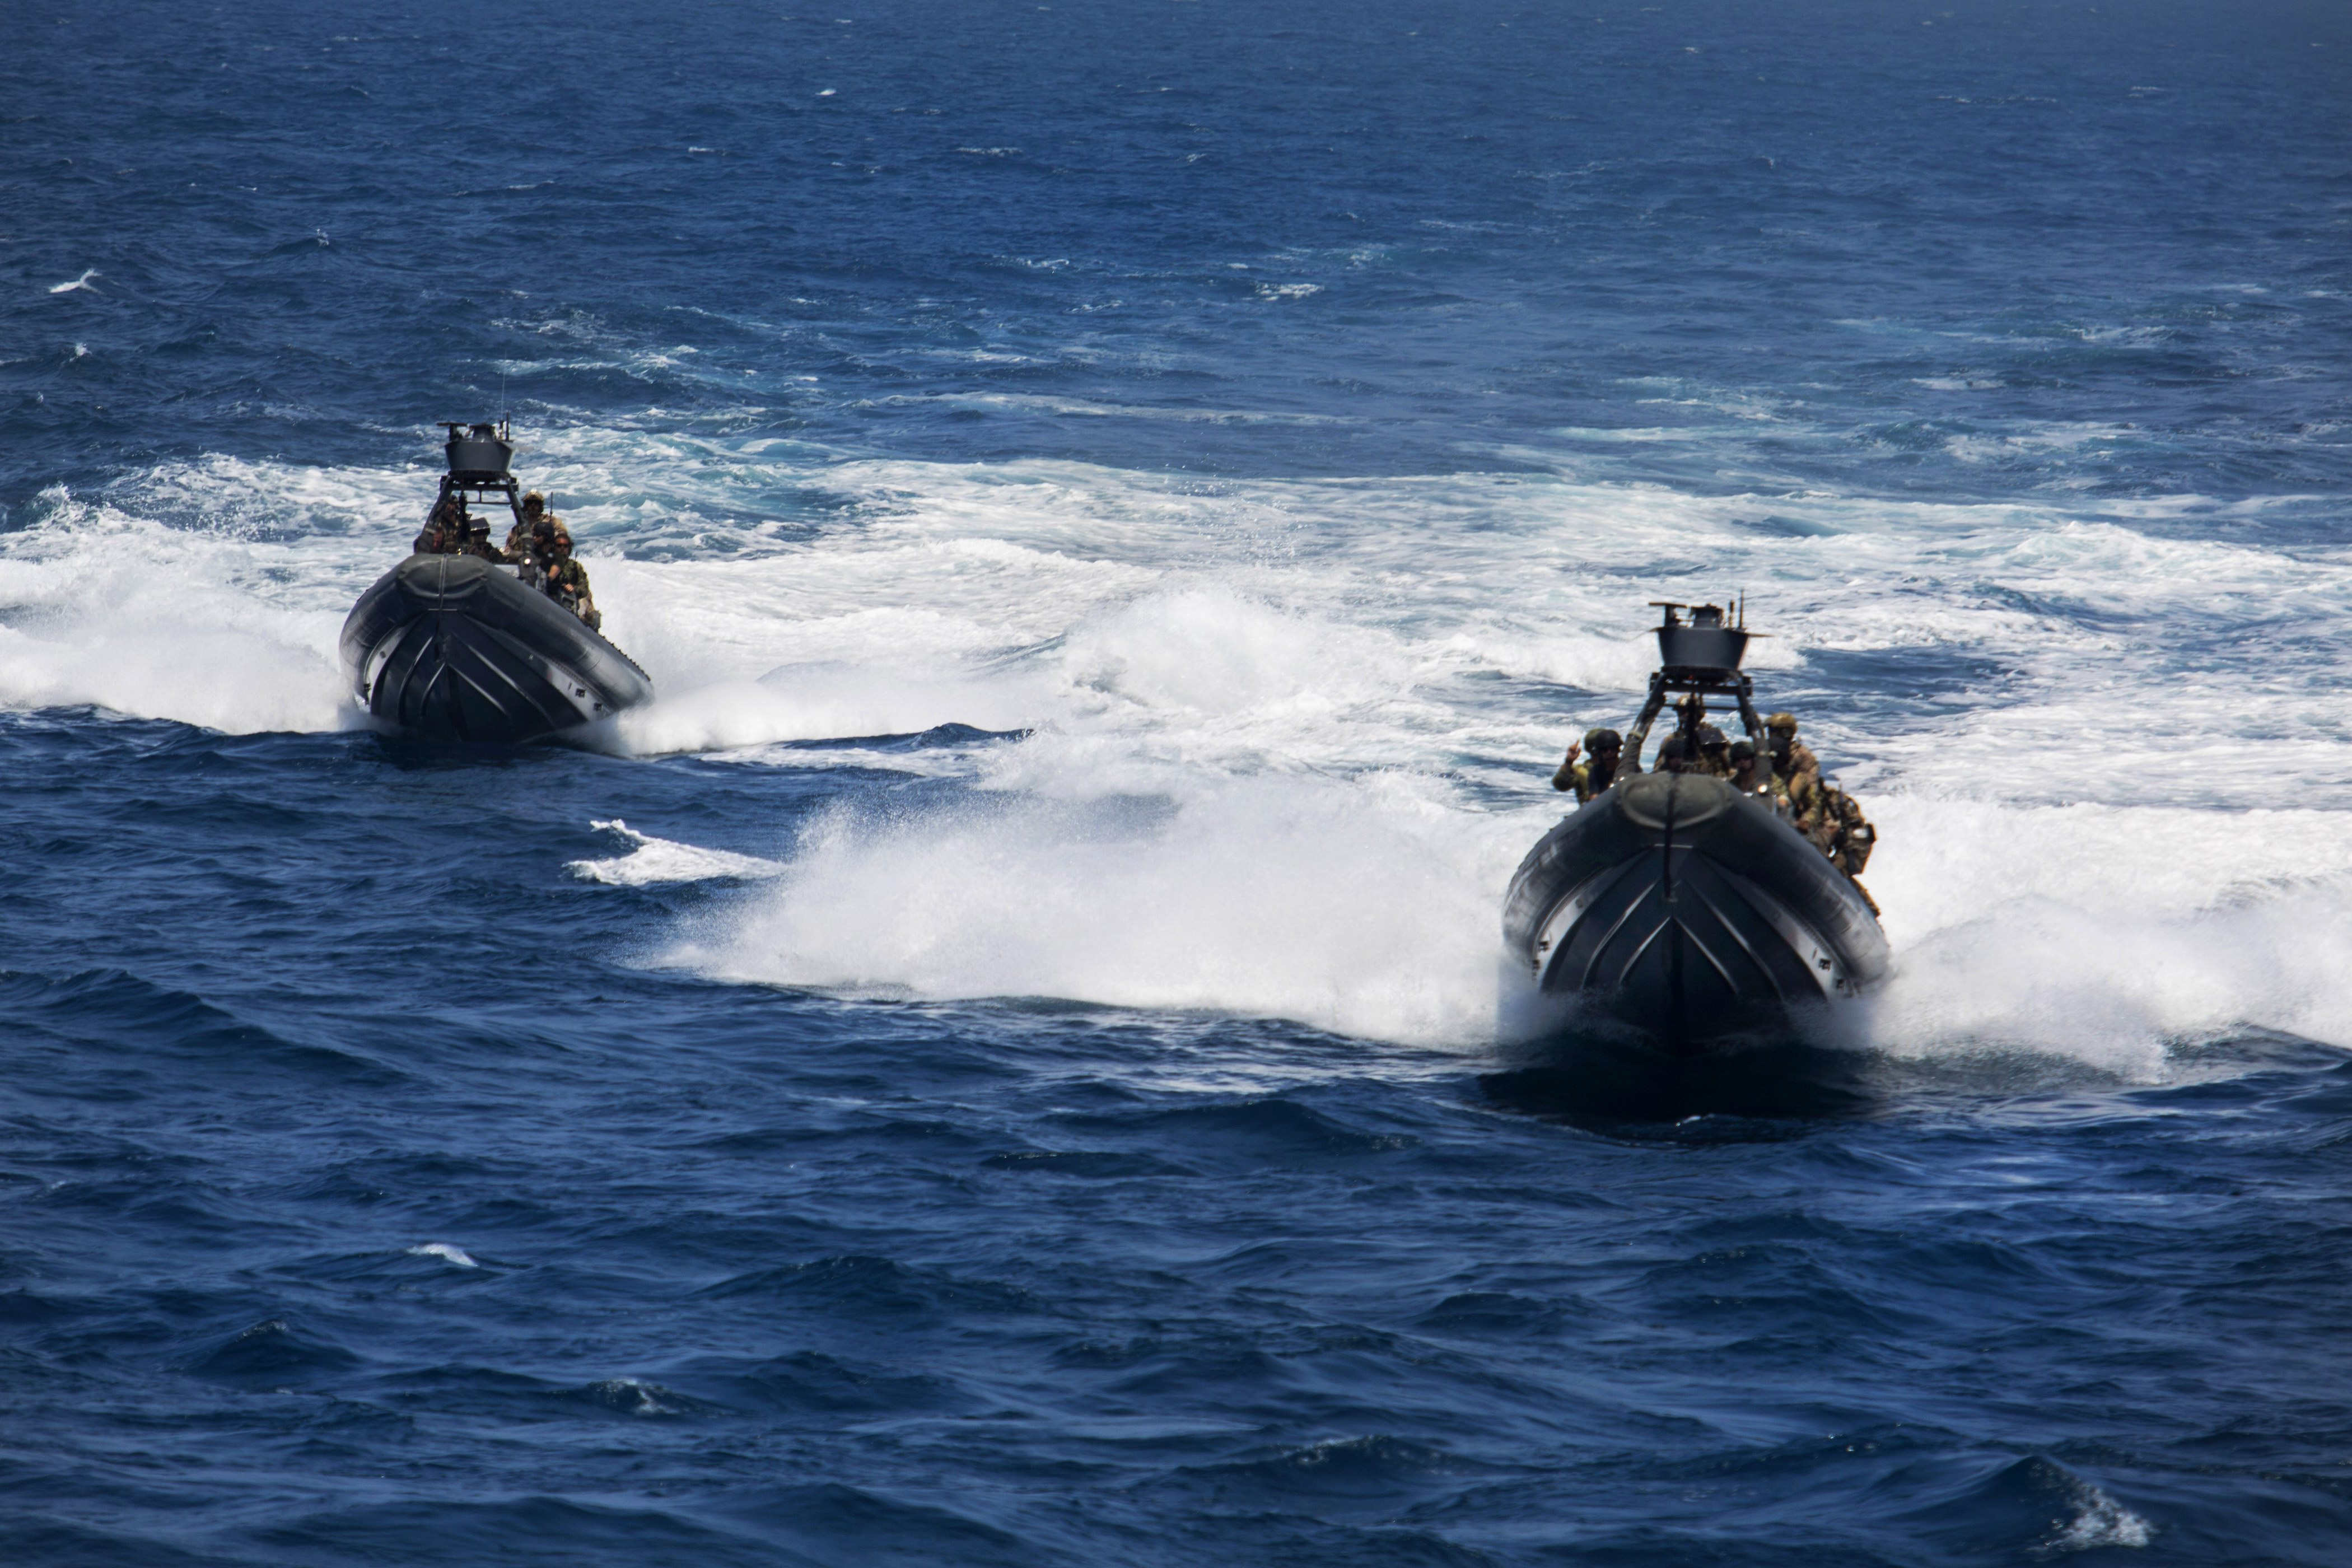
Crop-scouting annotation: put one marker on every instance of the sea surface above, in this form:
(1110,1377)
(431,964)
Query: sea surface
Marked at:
(1124,504)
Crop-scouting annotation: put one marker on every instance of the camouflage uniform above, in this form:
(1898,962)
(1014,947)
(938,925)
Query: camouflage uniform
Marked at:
(1714,753)
(1590,777)
(1823,812)
(1850,851)
(567,584)
(476,542)
(1793,780)
(1740,758)
(450,532)
(567,581)
(534,510)
(443,533)
(1854,836)
(1797,779)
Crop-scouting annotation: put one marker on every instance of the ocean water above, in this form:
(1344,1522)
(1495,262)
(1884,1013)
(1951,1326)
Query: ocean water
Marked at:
(1124,505)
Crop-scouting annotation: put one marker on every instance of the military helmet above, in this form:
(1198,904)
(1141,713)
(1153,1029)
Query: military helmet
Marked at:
(533,499)
(1603,740)
(1779,722)
(1710,739)
(1672,747)
(1743,751)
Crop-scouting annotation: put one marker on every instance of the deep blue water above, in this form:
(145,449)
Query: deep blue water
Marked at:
(1123,504)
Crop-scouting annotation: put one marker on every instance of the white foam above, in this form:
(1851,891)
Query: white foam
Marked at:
(2099,1521)
(1094,409)
(71,284)
(1281,704)
(1343,906)
(655,860)
(99,606)
(1319,713)
(443,1251)
(2103,933)
(635,1394)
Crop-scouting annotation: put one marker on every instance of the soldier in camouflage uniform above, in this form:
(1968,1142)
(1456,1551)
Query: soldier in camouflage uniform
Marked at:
(1797,779)
(1790,756)
(567,580)
(451,531)
(1821,810)
(477,538)
(1741,757)
(1714,753)
(1690,713)
(534,512)
(1852,837)
(444,532)
(1590,778)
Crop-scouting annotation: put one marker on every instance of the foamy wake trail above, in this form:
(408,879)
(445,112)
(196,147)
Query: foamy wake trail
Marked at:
(819,703)
(1372,908)
(1286,738)
(1346,908)
(211,593)
(651,860)
(2107,932)
(107,610)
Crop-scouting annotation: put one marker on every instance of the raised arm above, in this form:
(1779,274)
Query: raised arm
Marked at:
(1640,733)
(1757,733)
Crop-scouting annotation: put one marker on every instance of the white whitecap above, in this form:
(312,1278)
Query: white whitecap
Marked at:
(80,282)
(445,1252)
(652,860)
(2100,1520)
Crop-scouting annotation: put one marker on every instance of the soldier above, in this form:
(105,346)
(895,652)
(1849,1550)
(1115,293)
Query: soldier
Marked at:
(567,580)
(1714,753)
(1850,841)
(1797,778)
(1852,837)
(1741,758)
(477,540)
(1790,756)
(534,509)
(1678,755)
(444,532)
(1589,779)
(1690,713)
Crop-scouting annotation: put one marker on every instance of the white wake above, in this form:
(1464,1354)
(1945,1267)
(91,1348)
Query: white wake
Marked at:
(1286,738)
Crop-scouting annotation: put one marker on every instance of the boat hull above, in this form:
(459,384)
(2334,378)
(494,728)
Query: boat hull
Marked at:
(1682,915)
(451,647)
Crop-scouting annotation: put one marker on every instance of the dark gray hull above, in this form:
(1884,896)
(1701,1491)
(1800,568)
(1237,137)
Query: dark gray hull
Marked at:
(1690,916)
(453,648)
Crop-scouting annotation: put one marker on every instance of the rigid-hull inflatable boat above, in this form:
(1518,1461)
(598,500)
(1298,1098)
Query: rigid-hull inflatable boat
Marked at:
(1678,907)
(452,647)
(456,647)
(1680,912)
